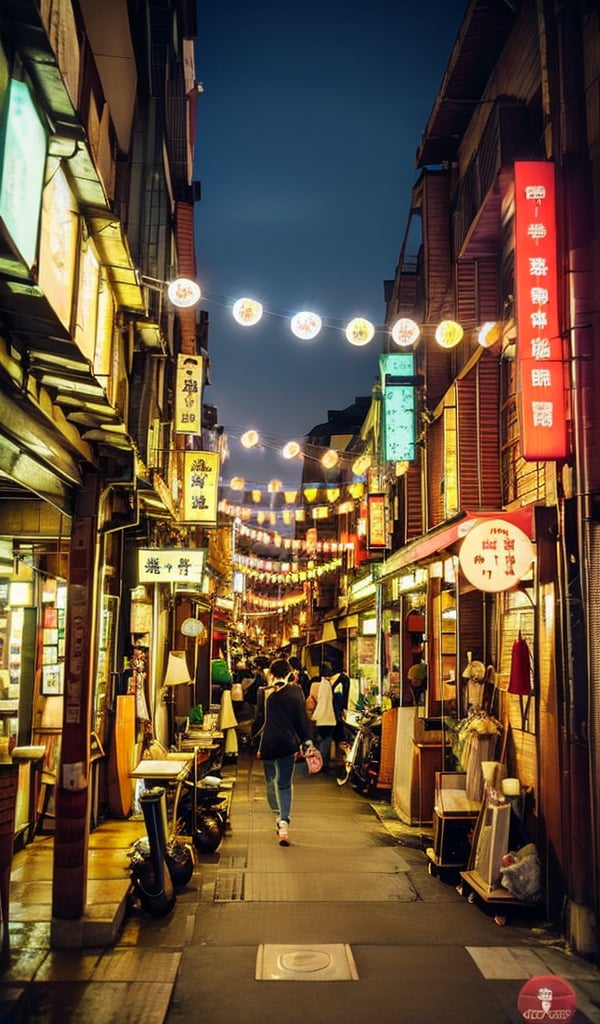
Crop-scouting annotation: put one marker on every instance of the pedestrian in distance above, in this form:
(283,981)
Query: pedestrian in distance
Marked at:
(282,728)
(300,675)
(324,714)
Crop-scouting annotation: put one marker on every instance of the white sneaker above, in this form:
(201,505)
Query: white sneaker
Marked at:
(283,833)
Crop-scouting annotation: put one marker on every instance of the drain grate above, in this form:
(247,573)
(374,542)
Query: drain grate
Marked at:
(235,863)
(229,888)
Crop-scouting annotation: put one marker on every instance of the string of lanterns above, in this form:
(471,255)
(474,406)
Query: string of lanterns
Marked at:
(263,570)
(307,325)
(274,604)
(292,543)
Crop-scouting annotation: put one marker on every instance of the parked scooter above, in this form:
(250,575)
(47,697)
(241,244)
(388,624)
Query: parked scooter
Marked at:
(362,761)
(151,879)
(200,813)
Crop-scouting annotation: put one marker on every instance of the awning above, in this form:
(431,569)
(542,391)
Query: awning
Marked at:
(442,538)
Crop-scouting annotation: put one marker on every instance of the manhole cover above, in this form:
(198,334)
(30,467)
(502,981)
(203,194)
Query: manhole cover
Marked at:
(329,962)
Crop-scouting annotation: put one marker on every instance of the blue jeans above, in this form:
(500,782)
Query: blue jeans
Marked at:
(278,776)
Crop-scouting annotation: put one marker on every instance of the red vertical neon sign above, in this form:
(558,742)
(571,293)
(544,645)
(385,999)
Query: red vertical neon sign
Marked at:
(540,355)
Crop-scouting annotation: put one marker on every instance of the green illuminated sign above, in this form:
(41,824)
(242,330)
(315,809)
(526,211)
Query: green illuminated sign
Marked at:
(398,406)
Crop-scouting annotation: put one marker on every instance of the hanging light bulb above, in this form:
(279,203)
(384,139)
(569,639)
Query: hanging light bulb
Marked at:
(405,332)
(290,450)
(237,483)
(330,459)
(183,293)
(275,486)
(448,333)
(250,439)
(247,312)
(306,325)
(359,331)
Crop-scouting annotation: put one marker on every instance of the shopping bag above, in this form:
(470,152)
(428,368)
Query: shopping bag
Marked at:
(314,761)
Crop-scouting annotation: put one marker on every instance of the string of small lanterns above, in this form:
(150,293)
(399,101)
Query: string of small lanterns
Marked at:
(307,325)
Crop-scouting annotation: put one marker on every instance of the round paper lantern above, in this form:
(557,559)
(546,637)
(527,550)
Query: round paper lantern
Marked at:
(360,331)
(330,459)
(361,465)
(448,333)
(405,332)
(247,312)
(291,449)
(306,325)
(249,439)
(182,292)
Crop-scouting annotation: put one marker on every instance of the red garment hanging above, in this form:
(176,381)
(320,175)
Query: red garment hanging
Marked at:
(520,668)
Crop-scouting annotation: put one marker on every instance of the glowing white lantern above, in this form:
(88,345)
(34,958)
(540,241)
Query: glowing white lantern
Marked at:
(306,325)
(249,439)
(247,312)
(330,459)
(183,293)
(360,331)
(291,449)
(405,332)
(448,333)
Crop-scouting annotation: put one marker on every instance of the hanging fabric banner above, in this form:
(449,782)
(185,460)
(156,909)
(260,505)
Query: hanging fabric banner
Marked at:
(188,394)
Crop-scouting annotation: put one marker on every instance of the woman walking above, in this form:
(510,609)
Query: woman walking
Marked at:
(282,727)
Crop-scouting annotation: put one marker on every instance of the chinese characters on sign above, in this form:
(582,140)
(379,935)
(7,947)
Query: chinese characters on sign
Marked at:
(398,394)
(171,565)
(540,355)
(495,555)
(376,521)
(188,394)
(200,487)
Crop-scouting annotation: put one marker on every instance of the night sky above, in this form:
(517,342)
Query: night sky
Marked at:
(307,130)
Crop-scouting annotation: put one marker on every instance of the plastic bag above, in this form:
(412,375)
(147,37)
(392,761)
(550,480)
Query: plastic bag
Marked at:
(522,876)
(314,761)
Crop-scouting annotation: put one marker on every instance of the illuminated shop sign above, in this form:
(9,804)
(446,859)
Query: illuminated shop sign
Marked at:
(540,351)
(188,394)
(398,406)
(200,487)
(22,165)
(495,555)
(376,521)
(171,565)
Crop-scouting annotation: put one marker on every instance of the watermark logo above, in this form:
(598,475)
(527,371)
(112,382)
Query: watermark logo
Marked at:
(547,998)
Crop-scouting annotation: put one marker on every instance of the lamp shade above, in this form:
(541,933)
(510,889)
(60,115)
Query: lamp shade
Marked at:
(177,669)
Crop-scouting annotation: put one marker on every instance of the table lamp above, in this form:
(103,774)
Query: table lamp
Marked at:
(177,673)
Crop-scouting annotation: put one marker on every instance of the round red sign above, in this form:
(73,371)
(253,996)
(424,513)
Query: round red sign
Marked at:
(547,998)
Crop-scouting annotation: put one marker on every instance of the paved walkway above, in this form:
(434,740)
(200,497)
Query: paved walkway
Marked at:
(345,925)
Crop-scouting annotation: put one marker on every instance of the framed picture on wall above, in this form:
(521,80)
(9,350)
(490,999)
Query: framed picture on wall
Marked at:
(52,680)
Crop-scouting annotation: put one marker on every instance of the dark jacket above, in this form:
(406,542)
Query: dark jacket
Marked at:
(281,716)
